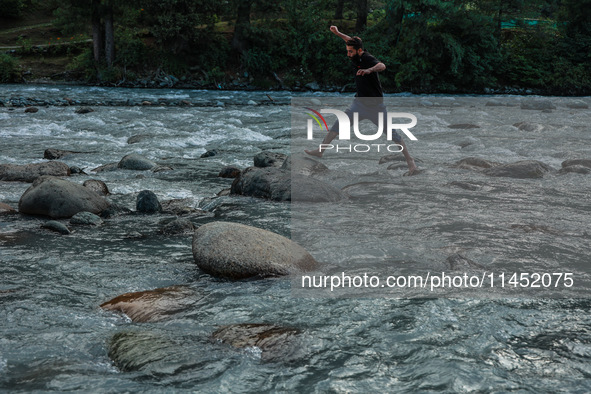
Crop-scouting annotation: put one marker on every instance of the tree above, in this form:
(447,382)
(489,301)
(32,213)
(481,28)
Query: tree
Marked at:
(362,11)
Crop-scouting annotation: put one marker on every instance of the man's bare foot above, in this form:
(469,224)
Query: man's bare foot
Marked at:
(315,152)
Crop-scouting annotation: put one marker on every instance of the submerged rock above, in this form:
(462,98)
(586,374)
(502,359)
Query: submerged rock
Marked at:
(54,154)
(521,169)
(151,305)
(537,105)
(5,208)
(459,262)
(463,126)
(135,351)
(275,343)
(84,110)
(178,226)
(30,172)
(304,166)
(577,162)
(474,163)
(136,162)
(86,219)
(279,185)
(58,198)
(269,159)
(229,172)
(147,202)
(577,169)
(236,251)
(56,226)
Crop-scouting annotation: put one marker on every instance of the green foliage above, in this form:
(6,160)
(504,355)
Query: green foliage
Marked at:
(257,62)
(438,46)
(10,70)
(84,64)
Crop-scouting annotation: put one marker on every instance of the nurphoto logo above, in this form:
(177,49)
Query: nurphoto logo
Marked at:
(344,130)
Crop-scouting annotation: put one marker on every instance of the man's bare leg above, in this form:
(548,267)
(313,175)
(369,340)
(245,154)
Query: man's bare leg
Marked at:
(327,140)
(412,167)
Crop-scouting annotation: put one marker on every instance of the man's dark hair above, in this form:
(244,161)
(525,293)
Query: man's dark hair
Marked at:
(355,42)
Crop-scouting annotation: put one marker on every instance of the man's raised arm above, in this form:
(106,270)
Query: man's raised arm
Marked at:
(336,31)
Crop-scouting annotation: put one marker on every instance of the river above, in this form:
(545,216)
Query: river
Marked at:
(54,336)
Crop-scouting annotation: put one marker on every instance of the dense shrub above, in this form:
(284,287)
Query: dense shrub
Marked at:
(10,70)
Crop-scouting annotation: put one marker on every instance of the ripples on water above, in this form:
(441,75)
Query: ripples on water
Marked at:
(54,336)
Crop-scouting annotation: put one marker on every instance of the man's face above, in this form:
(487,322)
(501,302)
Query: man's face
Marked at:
(353,53)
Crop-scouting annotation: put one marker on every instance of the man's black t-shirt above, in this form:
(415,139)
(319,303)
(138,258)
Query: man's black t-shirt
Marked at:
(367,85)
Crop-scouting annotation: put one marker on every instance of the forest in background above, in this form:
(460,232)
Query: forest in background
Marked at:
(537,46)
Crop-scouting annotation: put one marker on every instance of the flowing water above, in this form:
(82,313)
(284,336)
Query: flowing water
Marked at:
(54,336)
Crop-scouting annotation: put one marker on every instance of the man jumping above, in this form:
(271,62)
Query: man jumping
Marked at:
(369,103)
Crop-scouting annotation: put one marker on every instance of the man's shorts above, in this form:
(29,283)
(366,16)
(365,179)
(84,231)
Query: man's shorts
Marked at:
(371,109)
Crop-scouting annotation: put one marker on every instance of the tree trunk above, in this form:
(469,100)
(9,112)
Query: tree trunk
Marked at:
(395,17)
(109,37)
(362,11)
(239,40)
(97,31)
(338,14)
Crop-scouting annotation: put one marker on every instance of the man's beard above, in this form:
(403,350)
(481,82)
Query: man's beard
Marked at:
(355,58)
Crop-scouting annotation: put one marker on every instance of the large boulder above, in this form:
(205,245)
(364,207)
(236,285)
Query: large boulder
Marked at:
(521,169)
(58,198)
(136,162)
(30,172)
(152,305)
(237,251)
(279,185)
(275,343)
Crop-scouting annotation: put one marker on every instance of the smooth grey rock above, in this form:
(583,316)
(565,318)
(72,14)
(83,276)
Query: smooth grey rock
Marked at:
(538,105)
(521,169)
(56,226)
(86,219)
(178,226)
(577,162)
(275,343)
(31,110)
(30,172)
(147,202)
(236,251)
(136,162)
(97,186)
(58,198)
(152,305)
(269,159)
